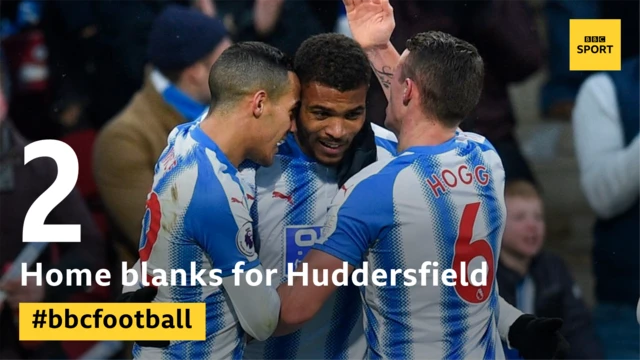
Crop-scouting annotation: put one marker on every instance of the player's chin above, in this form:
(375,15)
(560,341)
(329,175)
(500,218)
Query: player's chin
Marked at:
(267,160)
(329,160)
(264,158)
(329,157)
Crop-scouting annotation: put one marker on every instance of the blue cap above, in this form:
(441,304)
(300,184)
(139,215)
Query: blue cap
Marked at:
(181,36)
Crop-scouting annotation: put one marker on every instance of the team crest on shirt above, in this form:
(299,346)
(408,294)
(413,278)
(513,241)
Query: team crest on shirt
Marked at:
(244,240)
(169,162)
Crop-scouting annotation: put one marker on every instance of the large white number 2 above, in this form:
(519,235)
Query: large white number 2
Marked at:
(34,229)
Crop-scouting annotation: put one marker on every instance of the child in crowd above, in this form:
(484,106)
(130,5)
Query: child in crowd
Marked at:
(536,281)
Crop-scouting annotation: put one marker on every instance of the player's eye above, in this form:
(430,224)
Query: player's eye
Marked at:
(320,115)
(353,115)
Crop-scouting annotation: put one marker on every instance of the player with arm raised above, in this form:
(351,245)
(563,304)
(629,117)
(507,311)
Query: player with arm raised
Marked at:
(332,140)
(197,211)
(372,24)
(435,202)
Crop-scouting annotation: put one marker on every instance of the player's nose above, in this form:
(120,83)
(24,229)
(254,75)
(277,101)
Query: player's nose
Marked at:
(335,128)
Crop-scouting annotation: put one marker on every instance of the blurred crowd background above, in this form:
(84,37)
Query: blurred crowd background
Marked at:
(112,78)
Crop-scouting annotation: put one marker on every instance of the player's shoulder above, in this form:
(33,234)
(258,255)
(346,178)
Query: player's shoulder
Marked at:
(219,189)
(383,134)
(377,176)
(371,188)
(177,154)
(214,170)
(386,142)
(474,139)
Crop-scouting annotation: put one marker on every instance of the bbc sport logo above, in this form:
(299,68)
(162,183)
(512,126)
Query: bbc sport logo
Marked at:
(594,45)
(595,39)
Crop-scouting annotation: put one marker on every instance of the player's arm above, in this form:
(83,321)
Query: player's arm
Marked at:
(508,314)
(372,23)
(299,302)
(533,337)
(257,307)
(226,235)
(345,239)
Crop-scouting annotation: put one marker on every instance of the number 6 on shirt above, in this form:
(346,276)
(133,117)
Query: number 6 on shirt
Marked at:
(466,249)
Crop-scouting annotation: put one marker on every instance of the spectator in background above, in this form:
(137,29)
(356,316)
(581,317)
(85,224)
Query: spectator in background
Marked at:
(284,24)
(559,93)
(20,186)
(183,45)
(506,36)
(537,282)
(23,42)
(605,125)
(98,54)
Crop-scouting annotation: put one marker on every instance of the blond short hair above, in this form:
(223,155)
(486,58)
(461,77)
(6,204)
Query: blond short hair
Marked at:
(522,189)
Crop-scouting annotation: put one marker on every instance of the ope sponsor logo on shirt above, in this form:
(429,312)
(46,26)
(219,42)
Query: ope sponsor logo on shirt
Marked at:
(594,45)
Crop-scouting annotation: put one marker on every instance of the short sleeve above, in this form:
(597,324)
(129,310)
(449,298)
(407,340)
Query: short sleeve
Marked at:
(220,223)
(358,214)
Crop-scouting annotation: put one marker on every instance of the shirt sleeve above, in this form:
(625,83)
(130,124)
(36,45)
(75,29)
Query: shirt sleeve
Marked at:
(609,171)
(223,227)
(507,314)
(356,219)
(257,307)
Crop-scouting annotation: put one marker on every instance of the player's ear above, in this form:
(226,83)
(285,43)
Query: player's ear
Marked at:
(407,92)
(294,125)
(258,103)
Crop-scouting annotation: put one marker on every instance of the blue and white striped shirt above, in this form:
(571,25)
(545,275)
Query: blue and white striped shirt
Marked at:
(441,204)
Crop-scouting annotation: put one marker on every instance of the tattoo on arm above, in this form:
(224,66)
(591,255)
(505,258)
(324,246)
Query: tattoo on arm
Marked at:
(384,75)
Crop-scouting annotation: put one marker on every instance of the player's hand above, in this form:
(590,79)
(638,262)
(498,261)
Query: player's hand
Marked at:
(371,21)
(538,338)
(143,295)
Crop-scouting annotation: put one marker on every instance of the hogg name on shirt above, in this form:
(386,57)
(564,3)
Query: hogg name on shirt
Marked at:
(447,179)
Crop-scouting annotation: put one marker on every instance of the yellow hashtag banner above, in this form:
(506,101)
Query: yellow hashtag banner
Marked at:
(112,321)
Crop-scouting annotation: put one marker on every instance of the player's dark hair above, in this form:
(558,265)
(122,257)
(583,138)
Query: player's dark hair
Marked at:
(333,60)
(245,68)
(449,73)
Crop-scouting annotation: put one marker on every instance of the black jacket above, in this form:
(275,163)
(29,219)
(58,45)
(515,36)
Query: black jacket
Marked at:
(556,295)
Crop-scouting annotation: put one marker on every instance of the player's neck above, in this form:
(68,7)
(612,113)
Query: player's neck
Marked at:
(303,145)
(229,138)
(422,132)
(515,262)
